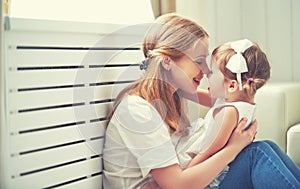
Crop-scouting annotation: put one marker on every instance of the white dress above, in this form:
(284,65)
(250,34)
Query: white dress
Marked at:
(205,133)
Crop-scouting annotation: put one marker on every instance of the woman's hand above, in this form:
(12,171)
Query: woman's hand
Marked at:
(240,138)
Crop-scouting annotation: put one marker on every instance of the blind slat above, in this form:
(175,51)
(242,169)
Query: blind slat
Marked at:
(31,58)
(58,175)
(47,78)
(44,159)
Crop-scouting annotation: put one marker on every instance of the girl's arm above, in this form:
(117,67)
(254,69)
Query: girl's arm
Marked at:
(200,175)
(227,119)
(202,97)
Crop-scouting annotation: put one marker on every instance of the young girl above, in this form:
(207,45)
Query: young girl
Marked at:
(238,70)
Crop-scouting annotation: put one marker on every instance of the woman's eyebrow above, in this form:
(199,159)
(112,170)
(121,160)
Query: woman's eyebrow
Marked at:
(200,57)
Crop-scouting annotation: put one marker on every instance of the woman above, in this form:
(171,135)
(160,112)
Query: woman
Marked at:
(149,122)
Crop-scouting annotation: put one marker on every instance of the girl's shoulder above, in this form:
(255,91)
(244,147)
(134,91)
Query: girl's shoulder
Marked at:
(222,106)
(240,109)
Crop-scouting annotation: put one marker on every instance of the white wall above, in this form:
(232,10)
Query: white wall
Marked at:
(98,11)
(273,24)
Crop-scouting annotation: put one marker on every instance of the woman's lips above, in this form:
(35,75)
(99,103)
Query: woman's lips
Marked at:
(196,81)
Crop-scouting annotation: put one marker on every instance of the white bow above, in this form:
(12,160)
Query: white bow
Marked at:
(237,63)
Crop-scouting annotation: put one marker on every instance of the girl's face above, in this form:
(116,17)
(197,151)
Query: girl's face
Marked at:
(216,81)
(187,72)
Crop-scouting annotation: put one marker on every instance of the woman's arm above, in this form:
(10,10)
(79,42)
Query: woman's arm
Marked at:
(200,175)
(202,97)
(226,119)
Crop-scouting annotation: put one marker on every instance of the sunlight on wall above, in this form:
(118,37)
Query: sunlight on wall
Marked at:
(100,11)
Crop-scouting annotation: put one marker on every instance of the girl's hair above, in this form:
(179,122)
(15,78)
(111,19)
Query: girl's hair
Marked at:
(170,36)
(258,67)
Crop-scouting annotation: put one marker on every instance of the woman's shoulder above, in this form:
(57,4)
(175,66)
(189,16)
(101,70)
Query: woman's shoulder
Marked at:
(133,102)
(134,111)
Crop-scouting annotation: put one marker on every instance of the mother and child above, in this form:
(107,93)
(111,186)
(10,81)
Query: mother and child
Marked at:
(151,143)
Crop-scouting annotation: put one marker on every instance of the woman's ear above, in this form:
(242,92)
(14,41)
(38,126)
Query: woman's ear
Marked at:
(166,63)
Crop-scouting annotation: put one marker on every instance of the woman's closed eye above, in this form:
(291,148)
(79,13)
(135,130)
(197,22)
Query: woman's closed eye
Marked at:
(199,62)
(203,66)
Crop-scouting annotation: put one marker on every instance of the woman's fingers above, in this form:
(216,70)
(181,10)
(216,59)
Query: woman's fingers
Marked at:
(253,128)
(242,124)
(241,137)
(249,134)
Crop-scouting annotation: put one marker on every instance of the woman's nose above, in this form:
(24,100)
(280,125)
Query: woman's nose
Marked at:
(201,74)
(202,65)
(205,69)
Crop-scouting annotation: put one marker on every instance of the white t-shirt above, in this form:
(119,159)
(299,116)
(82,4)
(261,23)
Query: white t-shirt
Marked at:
(137,140)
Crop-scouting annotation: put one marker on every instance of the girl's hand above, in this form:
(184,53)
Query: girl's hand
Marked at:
(240,138)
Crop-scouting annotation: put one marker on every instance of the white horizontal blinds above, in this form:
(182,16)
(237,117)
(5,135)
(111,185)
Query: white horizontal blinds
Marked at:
(58,94)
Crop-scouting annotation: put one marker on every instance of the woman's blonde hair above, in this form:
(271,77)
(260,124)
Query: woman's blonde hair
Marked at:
(171,35)
(258,67)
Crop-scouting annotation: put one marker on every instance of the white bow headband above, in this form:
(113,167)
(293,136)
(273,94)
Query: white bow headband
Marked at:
(237,63)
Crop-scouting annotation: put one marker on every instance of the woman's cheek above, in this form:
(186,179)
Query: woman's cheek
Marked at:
(181,80)
(186,84)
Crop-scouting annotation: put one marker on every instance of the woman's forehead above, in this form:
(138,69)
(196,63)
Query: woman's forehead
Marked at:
(199,50)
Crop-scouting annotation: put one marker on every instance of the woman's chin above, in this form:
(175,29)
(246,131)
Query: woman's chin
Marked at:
(194,89)
(196,84)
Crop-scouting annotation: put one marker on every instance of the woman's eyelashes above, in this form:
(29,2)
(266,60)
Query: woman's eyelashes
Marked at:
(206,69)
(199,62)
